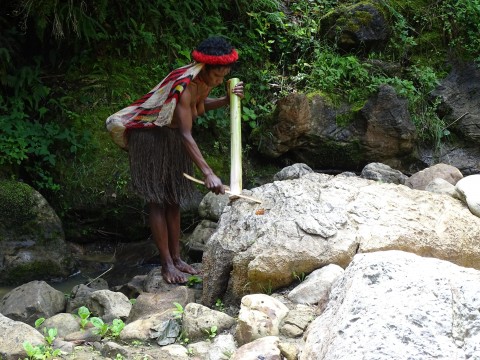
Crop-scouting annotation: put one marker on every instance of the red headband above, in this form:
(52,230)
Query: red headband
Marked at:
(226,59)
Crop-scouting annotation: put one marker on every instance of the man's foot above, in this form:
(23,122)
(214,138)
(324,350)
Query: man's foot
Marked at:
(184,267)
(172,275)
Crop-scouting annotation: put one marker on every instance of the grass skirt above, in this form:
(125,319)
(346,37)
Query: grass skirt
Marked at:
(158,160)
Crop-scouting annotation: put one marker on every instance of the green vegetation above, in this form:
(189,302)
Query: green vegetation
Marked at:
(299,277)
(219,305)
(105,330)
(66,66)
(42,351)
(83,314)
(178,312)
(193,280)
(16,202)
(212,332)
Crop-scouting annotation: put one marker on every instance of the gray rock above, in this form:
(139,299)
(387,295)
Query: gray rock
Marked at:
(111,349)
(63,322)
(166,332)
(254,253)
(316,287)
(198,321)
(32,301)
(265,348)
(260,315)
(289,350)
(468,189)
(14,333)
(366,28)
(88,335)
(421,179)
(383,173)
(211,206)
(221,348)
(148,304)
(306,128)
(294,171)
(460,101)
(440,186)
(133,288)
(32,241)
(200,236)
(397,305)
(109,305)
(78,297)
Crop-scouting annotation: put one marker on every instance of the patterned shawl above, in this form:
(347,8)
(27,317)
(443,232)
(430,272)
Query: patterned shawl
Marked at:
(155,108)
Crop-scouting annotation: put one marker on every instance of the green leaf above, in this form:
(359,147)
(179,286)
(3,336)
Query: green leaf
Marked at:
(39,322)
(97,322)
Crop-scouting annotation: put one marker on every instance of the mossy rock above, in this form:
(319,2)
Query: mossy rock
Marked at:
(16,202)
(358,28)
(32,241)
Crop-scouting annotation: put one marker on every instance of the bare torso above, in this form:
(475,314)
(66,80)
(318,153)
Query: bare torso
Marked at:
(198,92)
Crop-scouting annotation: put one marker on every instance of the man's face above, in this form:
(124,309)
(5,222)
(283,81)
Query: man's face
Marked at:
(215,76)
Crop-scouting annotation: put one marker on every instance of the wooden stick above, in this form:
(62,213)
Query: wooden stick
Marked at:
(227,191)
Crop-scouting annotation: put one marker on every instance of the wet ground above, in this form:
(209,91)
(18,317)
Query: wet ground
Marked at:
(116,263)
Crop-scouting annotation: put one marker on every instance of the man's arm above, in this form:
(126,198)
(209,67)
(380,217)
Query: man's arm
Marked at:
(215,103)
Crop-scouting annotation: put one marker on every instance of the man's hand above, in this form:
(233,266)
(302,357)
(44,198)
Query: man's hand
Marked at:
(214,184)
(237,90)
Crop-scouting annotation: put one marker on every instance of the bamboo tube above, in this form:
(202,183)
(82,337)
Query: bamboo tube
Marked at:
(235,139)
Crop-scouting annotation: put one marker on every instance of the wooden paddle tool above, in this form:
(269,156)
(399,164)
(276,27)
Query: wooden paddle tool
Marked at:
(227,191)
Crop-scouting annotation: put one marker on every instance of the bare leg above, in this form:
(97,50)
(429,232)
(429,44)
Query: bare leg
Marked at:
(160,229)
(173,225)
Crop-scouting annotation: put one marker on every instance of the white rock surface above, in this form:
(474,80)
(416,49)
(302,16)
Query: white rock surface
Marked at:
(469,189)
(395,305)
(316,286)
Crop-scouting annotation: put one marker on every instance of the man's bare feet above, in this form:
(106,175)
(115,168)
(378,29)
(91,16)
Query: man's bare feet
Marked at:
(172,275)
(184,267)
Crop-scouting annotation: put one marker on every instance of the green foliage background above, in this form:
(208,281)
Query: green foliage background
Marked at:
(65,66)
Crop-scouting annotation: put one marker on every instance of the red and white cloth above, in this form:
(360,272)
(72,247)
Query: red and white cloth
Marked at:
(155,108)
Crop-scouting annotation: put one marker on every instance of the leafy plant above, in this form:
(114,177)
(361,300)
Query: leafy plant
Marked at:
(178,312)
(212,332)
(42,351)
(84,315)
(105,330)
(101,327)
(268,289)
(300,277)
(193,280)
(116,328)
(49,334)
(183,338)
(219,305)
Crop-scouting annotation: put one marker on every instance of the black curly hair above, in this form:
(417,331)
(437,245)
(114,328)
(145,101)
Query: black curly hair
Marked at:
(215,45)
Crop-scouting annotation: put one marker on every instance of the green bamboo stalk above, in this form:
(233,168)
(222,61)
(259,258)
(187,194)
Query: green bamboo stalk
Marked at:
(235,139)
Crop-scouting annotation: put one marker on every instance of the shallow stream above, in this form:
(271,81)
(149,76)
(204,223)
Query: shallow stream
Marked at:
(117,264)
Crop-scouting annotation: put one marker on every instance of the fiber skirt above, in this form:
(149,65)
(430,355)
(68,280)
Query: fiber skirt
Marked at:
(158,160)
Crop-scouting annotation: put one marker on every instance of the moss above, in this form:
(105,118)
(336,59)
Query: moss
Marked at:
(353,22)
(16,202)
(344,119)
(36,270)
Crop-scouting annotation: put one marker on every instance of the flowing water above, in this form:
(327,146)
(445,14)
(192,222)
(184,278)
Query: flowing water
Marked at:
(116,264)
